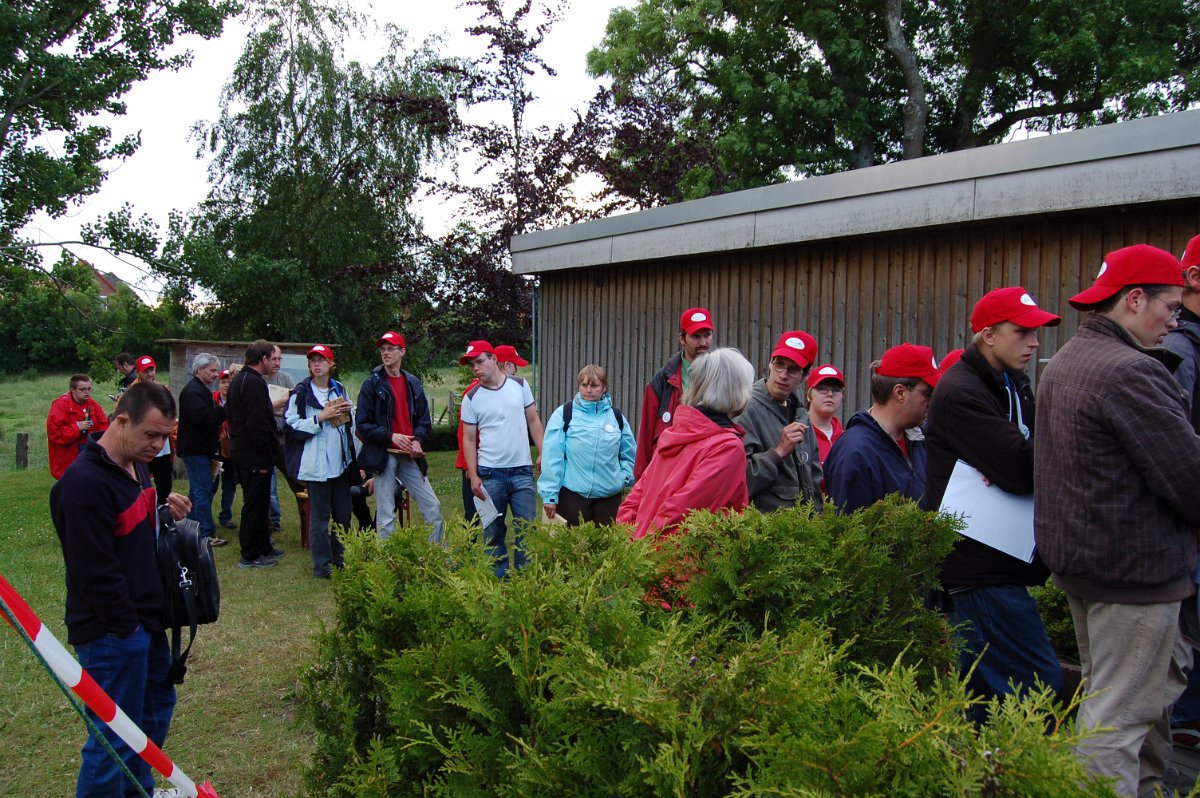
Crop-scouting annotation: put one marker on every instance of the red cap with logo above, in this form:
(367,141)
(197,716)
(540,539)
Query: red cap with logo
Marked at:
(694,319)
(826,372)
(1140,264)
(393,338)
(474,350)
(1010,304)
(144,362)
(797,346)
(323,351)
(1191,255)
(508,354)
(910,360)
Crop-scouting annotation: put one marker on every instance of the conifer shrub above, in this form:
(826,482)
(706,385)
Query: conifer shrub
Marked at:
(798,660)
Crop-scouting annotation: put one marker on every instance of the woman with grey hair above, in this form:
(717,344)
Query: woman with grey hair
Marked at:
(699,463)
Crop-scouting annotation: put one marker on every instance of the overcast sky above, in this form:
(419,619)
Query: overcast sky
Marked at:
(164,173)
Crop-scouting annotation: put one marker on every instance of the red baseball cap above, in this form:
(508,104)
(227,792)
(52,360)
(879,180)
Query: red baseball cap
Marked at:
(951,358)
(144,362)
(506,353)
(1010,304)
(694,319)
(224,374)
(1140,264)
(393,338)
(474,350)
(1191,255)
(797,346)
(324,351)
(823,373)
(910,360)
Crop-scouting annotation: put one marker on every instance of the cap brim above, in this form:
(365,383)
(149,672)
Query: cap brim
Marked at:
(1084,300)
(794,355)
(696,327)
(520,362)
(932,379)
(1036,317)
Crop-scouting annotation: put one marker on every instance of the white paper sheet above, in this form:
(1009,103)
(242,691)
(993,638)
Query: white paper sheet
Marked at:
(486,509)
(1001,520)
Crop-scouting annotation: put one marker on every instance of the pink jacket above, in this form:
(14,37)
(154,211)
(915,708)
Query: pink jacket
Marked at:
(698,465)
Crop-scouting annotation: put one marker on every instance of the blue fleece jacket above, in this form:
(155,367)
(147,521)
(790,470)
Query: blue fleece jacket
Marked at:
(594,458)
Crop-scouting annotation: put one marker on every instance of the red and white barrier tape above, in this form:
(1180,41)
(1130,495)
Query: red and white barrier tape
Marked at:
(72,674)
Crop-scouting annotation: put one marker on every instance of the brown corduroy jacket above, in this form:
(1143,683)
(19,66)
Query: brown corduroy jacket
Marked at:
(1116,470)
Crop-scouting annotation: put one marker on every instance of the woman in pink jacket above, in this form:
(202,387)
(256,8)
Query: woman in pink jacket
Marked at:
(699,463)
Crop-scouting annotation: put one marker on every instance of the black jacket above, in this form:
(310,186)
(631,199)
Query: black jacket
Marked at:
(373,418)
(200,420)
(252,437)
(970,419)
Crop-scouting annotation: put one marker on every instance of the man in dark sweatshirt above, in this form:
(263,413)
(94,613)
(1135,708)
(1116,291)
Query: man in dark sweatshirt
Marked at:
(982,413)
(104,512)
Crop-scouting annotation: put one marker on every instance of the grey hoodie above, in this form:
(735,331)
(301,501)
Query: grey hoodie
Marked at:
(776,482)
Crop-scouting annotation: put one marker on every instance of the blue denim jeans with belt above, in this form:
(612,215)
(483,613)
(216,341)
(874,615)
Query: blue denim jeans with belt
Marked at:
(508,488)
(133,671)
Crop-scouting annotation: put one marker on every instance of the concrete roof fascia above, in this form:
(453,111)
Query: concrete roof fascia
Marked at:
(935,191)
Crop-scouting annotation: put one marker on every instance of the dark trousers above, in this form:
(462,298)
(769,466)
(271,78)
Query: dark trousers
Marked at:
(578,509)
(328,500)
(228,482)
(254,535)
(160,471)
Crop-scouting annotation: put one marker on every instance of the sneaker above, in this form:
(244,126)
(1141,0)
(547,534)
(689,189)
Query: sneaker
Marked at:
(261,562)
(277,553)
(228,525)
(172,792)
(216,542)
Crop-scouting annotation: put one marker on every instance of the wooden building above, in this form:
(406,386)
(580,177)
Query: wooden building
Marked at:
(863,260)
(295,360)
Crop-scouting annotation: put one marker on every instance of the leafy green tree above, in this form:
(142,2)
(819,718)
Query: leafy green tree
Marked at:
(63,63)
(710,96)
(303,235)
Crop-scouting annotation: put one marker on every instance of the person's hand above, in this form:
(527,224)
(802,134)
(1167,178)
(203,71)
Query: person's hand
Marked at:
(550,509)
(403,443)
(84,426)
(789,437)
(416,450)
(179,505)
(328,411)
(477,489)
(369,486)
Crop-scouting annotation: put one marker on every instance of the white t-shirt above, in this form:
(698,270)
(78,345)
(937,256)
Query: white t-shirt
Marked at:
(499,417)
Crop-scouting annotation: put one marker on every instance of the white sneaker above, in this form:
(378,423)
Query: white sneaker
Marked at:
(168,792)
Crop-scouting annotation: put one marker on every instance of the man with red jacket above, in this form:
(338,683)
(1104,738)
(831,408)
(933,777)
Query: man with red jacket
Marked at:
(667,386)
(72,417)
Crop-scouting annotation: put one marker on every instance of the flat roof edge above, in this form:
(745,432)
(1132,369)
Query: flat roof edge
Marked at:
(1101,146)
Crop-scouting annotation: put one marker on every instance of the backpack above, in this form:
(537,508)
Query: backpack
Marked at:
(294,439)
(191,592)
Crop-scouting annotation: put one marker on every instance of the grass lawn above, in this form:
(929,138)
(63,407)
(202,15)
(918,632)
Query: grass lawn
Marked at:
(236,720)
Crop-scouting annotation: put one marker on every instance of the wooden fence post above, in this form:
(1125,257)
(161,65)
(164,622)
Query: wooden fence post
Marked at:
(22,450)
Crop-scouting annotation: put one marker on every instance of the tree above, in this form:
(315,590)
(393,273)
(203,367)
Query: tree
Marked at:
(303,234)
(749,92)
(63,63)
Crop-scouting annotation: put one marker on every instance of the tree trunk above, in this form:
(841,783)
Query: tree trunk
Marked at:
(916,107)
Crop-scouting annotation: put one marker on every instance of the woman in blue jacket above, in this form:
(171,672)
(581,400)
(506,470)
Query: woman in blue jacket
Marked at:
(319,413)
(588,455)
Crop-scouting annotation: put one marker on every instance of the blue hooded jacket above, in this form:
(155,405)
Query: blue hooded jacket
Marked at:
(594,458)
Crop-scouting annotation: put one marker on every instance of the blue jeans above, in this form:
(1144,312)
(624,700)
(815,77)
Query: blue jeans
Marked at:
(133,671)
(276,514)
(1005,619)
(200,491)
(508,488)
(326,500)
(228,482)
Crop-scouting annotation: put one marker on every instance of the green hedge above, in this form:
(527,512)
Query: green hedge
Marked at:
(799,661)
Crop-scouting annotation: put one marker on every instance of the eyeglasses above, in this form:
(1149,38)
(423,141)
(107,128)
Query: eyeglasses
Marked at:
(1175,311)
(791,371)
(83,390)
(830,389)
(926,392)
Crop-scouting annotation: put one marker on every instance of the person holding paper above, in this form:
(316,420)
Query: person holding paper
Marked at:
(1115,468)
(983,415)
(882,450)
(499,417)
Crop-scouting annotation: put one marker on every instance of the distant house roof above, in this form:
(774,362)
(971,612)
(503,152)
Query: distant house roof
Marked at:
(1146,160)
(106,282)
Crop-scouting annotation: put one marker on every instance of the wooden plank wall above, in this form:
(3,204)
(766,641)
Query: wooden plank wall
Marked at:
(856,296)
